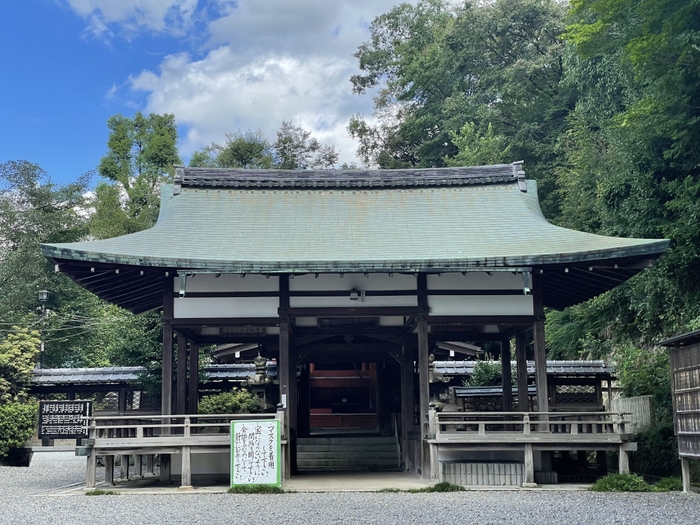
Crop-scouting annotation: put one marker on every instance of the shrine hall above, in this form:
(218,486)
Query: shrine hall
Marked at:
(364,276)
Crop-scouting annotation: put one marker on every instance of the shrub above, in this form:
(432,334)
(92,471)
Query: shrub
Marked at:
(657,452)
(443,486)
(237,401)
(17,424)
(668,484)
(621,483)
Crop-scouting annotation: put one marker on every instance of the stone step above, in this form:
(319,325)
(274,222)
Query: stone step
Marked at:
(356,462)
(347,453)
(370,440)
(341,448)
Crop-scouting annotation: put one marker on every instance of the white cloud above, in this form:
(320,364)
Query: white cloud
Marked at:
(221,94)
(265,61)
(162,16)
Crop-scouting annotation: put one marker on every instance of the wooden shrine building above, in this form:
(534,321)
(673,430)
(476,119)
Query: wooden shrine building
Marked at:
(336,268)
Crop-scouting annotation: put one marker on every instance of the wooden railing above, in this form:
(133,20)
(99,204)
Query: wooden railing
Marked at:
(473,426)
(139,436)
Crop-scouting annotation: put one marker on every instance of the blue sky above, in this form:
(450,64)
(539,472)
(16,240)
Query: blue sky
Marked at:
(218,65)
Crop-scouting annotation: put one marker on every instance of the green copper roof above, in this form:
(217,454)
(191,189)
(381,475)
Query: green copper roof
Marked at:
(404,220)
(374,229)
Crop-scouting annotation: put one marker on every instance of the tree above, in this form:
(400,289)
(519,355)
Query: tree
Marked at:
(33,210)
(294,149)
(18,356)
(142,152)
(495,67)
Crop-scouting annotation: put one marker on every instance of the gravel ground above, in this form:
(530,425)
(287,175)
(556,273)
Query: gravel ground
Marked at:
(31,496)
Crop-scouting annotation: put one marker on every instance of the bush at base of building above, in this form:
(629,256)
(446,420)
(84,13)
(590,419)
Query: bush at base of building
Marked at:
(17,424)
(237,401)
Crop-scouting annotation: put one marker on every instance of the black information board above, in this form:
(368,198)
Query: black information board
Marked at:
(63,419)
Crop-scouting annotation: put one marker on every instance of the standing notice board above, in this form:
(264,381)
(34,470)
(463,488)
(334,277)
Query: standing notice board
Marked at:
(64,419)
(256,453)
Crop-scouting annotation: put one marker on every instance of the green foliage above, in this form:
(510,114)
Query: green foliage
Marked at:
(237,401)
(657,451)
(142,152)
(487,373)
(18,356)
(668,484)
(443,486)
(476,149)
(621,483)
(17,424)
(645,372)
(99,492)
(293,149)
(256,489)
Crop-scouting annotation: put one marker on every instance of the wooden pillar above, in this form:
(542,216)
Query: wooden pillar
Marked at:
(293,400)
(121,401)
(506,375)
(529,461)
(138,465)
(91,474)
(539,344)
(109,470)
(167,377)
(424,391)
(685,474)
(124,466)
(407,402)
(181,385)
(283,365)
(624,460)
(186,471)
(193,389)
(149,464)
(521,365)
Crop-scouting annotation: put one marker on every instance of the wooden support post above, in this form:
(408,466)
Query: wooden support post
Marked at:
(283,365)
(91,473)
(521,364)
(423,389)
(434,463)
(304,410)
(293,401)
(624,461)
(506,375)
(529,461)
(167,377)
(193,390)
(138,465)
(540,350)
(407,402)
(124,466)
(181,388)
(109,470)
(685,474)
(165,468)
(186,472)
(149,464)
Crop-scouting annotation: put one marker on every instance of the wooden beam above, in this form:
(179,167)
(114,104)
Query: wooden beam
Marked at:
(480,320)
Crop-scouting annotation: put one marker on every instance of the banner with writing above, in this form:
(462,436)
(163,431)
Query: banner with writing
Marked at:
(64,419)
(256,453)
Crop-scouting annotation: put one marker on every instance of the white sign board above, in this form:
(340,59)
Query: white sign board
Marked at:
(256,453)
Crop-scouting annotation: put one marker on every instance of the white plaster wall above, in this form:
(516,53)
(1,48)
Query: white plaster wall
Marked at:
(475,281)
(228,283)
(358,281)
(480,304)
(199,307)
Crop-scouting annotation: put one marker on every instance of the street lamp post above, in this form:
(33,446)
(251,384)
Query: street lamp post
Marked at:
(43,297)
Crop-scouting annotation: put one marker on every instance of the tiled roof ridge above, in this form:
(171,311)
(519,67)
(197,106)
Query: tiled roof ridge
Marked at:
(240,178)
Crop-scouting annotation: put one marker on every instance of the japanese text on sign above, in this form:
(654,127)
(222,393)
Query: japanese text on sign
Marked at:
(255,453)
(63,419)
